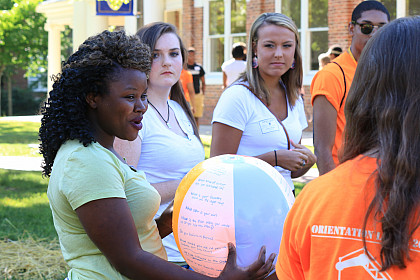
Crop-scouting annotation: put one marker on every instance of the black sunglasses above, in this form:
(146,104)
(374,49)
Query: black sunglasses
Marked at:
(366,28)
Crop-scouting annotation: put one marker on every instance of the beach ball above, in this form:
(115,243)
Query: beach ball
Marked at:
(229,198)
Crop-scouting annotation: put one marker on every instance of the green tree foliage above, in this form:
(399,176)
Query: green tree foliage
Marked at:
(6,4)
(23,40)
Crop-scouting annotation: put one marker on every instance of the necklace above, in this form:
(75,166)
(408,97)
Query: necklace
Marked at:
(166,121)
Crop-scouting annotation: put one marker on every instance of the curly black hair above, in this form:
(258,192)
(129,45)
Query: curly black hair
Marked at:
(97,62)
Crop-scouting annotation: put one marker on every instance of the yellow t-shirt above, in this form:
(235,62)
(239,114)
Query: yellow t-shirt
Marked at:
(330,83)
(82,174)
(322,234)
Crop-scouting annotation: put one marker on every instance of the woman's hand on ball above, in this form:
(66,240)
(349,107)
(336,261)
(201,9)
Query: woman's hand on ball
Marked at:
(257,270)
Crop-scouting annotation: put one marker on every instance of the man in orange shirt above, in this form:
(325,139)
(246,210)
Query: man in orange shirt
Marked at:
(188,87)
(330,86)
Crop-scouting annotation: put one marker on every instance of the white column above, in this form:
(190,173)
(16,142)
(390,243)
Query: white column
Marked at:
(206,40)
(305,38)
(54,50)
(401,8)
(79,24)
(85,22)
(227,27)
(130,22)
(95,24)
(153,10)
(277,6)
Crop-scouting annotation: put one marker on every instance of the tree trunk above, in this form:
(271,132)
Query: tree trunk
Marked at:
(9,96)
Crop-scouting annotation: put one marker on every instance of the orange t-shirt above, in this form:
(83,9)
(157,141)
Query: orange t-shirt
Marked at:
(186,78)
(322,234)
(330,83)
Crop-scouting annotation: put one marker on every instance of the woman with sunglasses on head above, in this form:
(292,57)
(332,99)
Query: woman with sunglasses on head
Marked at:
(361,220)
(103,210)
(262,113)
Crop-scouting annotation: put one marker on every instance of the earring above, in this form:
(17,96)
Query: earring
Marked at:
(293,64)
(255,62)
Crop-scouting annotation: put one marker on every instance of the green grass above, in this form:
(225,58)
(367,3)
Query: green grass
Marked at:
(28,241)
(206,140)
(24,207)
(27,150)
(18,132)
(298,187)
(19,138)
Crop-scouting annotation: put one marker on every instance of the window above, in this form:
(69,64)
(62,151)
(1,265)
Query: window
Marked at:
(391,6)
(226,26)
(311,18)
(402,8)
(412,8)
(318,30)
(291,8)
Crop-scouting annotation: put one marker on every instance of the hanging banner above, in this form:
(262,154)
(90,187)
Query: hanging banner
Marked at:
(114,7)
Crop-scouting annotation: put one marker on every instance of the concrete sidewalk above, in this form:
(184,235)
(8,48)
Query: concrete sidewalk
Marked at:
(21,163)
(34,163)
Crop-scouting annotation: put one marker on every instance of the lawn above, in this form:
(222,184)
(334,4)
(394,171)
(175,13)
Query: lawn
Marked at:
(28,241)
(24,206)
(19,138)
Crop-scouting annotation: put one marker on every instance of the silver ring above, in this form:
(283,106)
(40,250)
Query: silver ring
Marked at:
(303,163)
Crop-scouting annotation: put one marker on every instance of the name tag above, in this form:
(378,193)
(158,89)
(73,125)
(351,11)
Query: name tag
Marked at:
(268,126)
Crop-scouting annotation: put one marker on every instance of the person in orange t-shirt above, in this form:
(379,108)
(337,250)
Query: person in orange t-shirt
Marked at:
(330,86)
(188,86)
(361,220)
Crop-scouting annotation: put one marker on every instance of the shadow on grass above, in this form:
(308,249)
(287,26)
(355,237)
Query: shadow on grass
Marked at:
(24,205)
(21,184)
(19,132)
(36,220)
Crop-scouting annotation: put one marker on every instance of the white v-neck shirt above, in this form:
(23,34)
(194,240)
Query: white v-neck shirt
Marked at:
(240,108)
(167,156)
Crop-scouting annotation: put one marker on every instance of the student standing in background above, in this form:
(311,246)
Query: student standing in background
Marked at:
(234,67)
(330,86)
(199,84)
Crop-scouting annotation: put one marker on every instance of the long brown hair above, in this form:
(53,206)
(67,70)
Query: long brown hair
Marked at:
(149,34)
(383,117)
(292,79)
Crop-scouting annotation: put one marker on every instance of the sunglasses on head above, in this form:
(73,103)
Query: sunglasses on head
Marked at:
(366,28)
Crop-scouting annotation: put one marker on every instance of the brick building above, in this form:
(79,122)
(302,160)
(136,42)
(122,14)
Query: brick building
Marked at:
(321,23)
(212,26)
